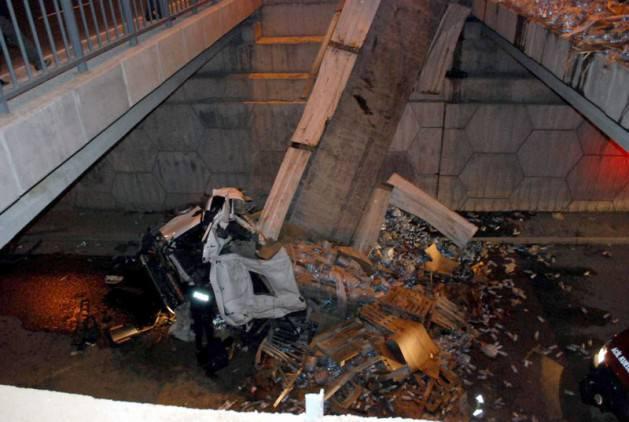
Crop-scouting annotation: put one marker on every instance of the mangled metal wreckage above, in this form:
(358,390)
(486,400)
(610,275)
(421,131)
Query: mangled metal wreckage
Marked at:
(204,266)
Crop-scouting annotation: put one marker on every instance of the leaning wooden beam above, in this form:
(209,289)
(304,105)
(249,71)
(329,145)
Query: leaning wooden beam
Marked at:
(337,64)
(335,70)
(442,49)
(355,22)
(413,200)
(370,224)
(345,165)
(324,47)
(284,187)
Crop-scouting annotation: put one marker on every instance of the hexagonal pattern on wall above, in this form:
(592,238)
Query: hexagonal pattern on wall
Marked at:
(181,172)
(396,162)
(452,192)
(138,191)
(498,128)
(136,152)
(550,153)
(99,178)
(595,142)
(456,151)
(459,115)
(226,150)
(406,130)
(554,117)
(428,114)
(541,194)
(598,178)
(174,127)
(424,152)
(492,175)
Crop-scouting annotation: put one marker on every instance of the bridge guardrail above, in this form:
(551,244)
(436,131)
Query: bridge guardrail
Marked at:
(41,39)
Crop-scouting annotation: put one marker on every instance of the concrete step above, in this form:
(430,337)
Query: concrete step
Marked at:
(246,86)
(272,57)
(290,18)
(301,39)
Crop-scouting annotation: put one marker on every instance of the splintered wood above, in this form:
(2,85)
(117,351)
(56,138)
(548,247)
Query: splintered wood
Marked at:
(337,64)
(441,51)
(413,200)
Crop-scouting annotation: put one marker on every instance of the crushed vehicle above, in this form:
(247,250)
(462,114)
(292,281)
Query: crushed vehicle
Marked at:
(205,267)
(607,384)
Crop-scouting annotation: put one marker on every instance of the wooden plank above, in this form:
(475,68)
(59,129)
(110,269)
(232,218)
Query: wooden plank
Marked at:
(282,192)
(326,39)
(355,22)
(335,70)
(412,199)
(368,229)
(441,51)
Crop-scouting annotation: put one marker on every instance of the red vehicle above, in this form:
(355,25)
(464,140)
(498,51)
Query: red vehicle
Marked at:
(607,384)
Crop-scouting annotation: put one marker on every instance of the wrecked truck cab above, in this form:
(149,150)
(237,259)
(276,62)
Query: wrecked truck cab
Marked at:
(203,264)
(607,384)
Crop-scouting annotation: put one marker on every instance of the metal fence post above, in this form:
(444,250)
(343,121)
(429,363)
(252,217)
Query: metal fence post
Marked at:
(196,9)
(4,106)
(166,12)
(73,33)
(127,15)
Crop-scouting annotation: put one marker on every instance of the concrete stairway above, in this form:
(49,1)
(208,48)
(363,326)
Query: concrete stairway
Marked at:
(256,88)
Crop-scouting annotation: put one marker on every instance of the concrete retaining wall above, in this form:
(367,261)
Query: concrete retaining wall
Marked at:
(495,139)
(40,135)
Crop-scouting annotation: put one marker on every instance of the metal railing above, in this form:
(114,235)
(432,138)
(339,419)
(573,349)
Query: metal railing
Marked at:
(40,39)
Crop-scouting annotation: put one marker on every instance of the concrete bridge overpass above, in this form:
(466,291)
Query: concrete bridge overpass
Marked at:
(55,132)
(233,98)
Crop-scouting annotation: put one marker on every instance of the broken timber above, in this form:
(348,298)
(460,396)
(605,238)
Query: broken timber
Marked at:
(442,48)
(345,166)
(336,65)
(413,200)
